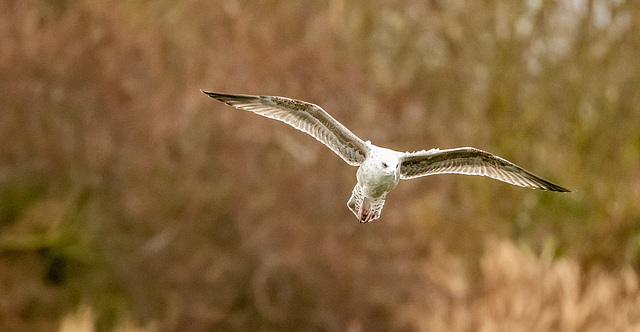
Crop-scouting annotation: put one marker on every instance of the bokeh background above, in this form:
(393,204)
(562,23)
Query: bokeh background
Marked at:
(131,201)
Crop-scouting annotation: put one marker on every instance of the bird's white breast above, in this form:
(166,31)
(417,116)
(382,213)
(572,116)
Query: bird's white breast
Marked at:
(380,172)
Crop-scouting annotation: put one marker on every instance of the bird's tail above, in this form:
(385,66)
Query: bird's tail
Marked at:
(365,208)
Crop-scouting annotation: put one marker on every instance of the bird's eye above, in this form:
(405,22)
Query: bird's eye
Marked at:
(385,165)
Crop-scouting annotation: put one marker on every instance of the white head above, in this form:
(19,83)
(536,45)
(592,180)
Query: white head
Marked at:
(388,160)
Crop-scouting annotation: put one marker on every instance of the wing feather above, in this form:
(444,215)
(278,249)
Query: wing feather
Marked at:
(471,161)
(307,117)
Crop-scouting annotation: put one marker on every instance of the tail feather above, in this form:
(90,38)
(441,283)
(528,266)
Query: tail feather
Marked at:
(365,208)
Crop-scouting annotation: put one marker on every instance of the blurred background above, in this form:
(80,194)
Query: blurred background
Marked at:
(131,201)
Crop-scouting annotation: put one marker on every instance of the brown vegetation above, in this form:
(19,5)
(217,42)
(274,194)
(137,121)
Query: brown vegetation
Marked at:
(125,190)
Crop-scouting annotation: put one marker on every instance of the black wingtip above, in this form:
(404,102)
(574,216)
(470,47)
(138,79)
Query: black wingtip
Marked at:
(225,97)
(217,95)
(209,93)
(561,189)
(554,187)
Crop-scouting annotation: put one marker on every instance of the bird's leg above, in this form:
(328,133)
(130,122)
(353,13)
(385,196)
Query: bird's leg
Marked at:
(361,213)
(364,214)
(368,217)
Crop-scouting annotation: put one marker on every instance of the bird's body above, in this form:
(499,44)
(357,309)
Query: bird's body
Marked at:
(381,169)
(376,176)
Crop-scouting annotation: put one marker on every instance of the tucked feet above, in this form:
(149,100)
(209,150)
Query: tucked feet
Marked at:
(365,215)
(364,208)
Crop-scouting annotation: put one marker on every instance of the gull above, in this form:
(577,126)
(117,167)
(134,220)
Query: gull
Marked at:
(380,169)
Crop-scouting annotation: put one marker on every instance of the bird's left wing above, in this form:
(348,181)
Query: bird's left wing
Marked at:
(307,117)
(471,161)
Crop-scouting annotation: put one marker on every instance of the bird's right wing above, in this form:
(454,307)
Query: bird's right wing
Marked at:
(471,161)
(307,117)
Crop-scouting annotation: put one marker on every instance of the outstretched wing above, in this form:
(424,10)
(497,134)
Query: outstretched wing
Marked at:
(471,161)
(304,116)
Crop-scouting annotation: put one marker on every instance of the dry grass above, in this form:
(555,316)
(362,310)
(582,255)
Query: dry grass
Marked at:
(520,291)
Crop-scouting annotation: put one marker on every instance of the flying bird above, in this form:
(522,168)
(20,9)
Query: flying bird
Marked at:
(381,169)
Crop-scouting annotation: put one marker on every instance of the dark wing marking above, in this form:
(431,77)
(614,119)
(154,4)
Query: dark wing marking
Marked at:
(304,116)
(471,161)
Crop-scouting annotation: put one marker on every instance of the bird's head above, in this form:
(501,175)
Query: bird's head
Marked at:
(389,162)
